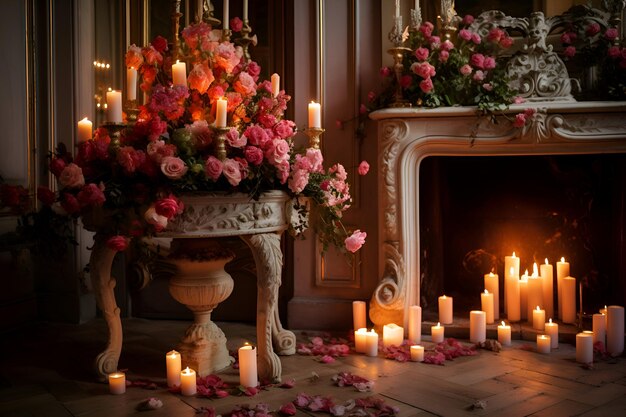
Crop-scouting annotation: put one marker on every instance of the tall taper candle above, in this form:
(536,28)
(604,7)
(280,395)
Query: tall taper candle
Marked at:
(599,328)
(225,15)
(493,286)
(568,296)
(535,293)
(523,297)
(562,271)
(275,84)
(221,113)
(415,324)
(512,296)
(358,314)
(131,83)
(245,10)
(486,305)
(548,288)
(615,330)
(511,267)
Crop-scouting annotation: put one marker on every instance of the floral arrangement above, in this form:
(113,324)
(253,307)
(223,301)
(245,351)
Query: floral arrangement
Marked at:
(135,177)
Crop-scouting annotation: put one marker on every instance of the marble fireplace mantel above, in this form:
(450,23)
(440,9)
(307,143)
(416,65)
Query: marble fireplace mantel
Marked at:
(406,136)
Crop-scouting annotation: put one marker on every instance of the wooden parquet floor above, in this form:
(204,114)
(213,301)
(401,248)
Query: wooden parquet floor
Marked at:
(46,371)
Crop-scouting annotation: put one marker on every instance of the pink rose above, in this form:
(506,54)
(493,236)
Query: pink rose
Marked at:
(298,181)
(91,195)
(593,29)
(117,243)
(282,171)
(236,24)
(234,140)
(316,159)
(385,72)
(570,51)
(465,69)
(488,86)
(611,34)
(232,171)
(426,85)
(213,168)
(614,52)
(371,96)
(168,207)
(468,19)
(277,151)
(364,168)
(478,61)
(355,241)
(200,78)
(423,69)
(476,38)
(284,129)
(130,159)
(157,150)
(519,100)
(489,63)
(421,54)
(506,42)
(245,84)
(447,45)
(427,29)
(465,34)
(435,42)
(520,120)
(173,167)
(71,176)
(151,55)
(159,222)
(443,56)
(253,69)
(256,135)
(253,155)
(478,76)
(70,204)
(495,35)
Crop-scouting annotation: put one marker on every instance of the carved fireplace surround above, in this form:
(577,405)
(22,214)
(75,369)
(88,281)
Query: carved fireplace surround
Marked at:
(409,135)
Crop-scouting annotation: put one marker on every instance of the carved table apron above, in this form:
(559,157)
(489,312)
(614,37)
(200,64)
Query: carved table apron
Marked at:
(259,224)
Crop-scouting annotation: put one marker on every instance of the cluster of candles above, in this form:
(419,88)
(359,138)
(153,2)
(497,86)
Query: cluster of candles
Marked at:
(186,378)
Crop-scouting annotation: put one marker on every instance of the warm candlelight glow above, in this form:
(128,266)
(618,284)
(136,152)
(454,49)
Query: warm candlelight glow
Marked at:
(514,254)
(486,292)
(547,263)
(550,321)
(535,270)
(562,259)
(537,308)
(491,274)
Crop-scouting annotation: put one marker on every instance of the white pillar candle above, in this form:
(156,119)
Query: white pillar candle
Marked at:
(393,335)
(568,296)
(188,382)
(493,286)
(437,333)
(131,83)
(599,328)
(85,130)
(245,10)
(511,268)
(584,347)
(275,84)
(513,297)
(225,15)
(552,330)
(359,340)
(247,366)
(523,297)
(417,353)
(539,319)
(546,272)
(173,366)
(562,271)
(117,383)
(615,330)
(535,292)
(315,115)
(486,304)
(179,73)
(415,324)
(504,334)
(445,310)
(543,343)
(114,106)
(221,112)
(478,326)
(358,315)
(371,343)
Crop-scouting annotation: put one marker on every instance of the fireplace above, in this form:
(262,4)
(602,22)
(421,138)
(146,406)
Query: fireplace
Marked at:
(420,147)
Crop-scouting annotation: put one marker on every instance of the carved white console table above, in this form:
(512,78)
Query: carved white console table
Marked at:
(260,225)
(407,136)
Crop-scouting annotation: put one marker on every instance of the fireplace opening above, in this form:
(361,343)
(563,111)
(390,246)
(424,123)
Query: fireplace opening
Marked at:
(474,210)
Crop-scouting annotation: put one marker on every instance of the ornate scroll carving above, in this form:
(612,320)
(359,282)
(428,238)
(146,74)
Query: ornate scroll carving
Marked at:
(392,134)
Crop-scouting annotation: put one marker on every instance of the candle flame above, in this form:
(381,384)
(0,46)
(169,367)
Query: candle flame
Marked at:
(605,307)
(547,263)
(538,309)
(550,321)
(562,259)
(503,323)
(535,270)
(486,292)
(85,119)
(526,273)
(187,371)
(491,274)
(178,61)
(514,254)
(438,324)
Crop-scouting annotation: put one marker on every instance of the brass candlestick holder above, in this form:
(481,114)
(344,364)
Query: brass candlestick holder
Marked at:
(314,134)
(221,142)
(175,16)
(397,36)
(226,33)
(132,112)
(245,40)
(206,14)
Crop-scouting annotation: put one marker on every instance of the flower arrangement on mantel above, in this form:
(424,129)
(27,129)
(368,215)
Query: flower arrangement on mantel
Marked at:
(135,177)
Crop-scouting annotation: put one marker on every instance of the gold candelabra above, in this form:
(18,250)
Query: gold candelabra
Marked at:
(397,36)
(132,112)
(245,40)
(314,134)
(221,142)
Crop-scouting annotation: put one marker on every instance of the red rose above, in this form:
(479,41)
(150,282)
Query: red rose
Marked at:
(70,204)
(56,166)
(91,195)
(117,243)
(160,43)
(45,195)
(236,24)
(168,207)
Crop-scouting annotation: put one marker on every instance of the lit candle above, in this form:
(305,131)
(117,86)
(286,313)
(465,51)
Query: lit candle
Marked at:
(358,314)
(437,333)
(562,271)
(371,343)
(599,328)
(511,269)
(245,10)
(568,296)
(504,334)
(584,347)
(275,84)
(173,366)
(535,292)
(117,383)
(415,324)
(486,304)
(543,343)
(222,109)
(547,286)
(114,106)
(445,310)
(315,115)
(523,296)
(615,330)
(188,382)
(493,286)
(247,366)
(84,130)
(603,310)
(393,335)
(417,353)
(359,340)
(131,83)
(179,73)
(512,296)
(539,319)
(225,15)
(552,330)
(478,326)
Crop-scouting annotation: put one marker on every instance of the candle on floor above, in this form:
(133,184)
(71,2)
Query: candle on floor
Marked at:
(535,292)
(584,347)
(247,366)
(371,343)
(436,333)
(568,296)
(543,343)
(511,268)
(417,353)
(117,383)
(552,330)
(562,271)
(415,324)
(478,326)
(615,330)
(114,106)
(486,304)
(599,328)
(179,73)
(315,115)
(539,319)
(493,286)
(188,382)
(173,366)
(275,84)
(222,112)
(504,334)
(513,296)
(548,290)
(393,335)
(523,297)
(85,130)
(445,310)
(358,315)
